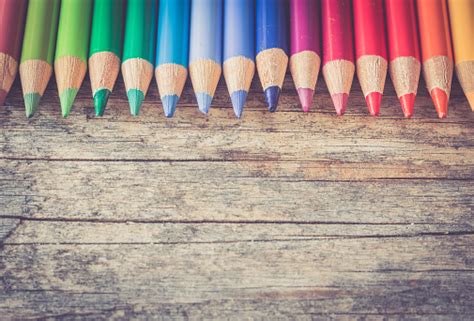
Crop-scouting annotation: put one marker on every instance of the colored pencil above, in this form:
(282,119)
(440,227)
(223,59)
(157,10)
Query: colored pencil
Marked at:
(205,50)
(461,13)
(436,51)
(371,51)
(404,51)
(36,65)
(305,59)
(338,51)
(272,48)
(139,50)
(105,49)
(12,16)
(172,51)
(239,50)
(70,62)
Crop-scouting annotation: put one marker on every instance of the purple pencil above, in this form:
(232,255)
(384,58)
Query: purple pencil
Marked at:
(305,57)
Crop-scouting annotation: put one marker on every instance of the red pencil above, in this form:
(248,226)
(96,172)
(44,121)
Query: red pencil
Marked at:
(404,51)
(338,50)
(12,18)
(371,50)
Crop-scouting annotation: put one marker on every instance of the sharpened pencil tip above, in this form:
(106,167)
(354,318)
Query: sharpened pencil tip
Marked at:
(306,98)
(66,99)
(169,103)
(204,102)
(408,104)
(272,96)
(135,100)
(3,97)
(373,100)
(440,100)
(31,103)
(238,99)
(101,97)
(340,103)
(470,99)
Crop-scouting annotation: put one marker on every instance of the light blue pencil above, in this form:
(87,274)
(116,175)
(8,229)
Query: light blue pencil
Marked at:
(205,50)
(172,51)
(239,50)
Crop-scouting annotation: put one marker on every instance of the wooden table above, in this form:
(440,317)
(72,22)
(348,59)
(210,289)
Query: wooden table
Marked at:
(284,215)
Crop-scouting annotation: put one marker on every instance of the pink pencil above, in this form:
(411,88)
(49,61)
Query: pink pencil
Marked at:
(305,57)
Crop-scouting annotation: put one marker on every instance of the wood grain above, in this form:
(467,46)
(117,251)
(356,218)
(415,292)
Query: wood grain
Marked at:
(275,216)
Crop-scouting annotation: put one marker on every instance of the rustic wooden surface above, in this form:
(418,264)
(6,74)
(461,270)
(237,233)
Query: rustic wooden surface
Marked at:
(275,216)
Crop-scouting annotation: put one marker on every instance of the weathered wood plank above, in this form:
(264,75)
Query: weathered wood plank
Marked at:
(427,275)
(229,191)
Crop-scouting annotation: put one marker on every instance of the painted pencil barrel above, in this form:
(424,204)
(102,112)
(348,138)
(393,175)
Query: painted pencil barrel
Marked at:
(461,13)
(172,51)
(338,51)
(371,50)
(205,49)
(272,47)
(105,49)
(239,50)
(436,51)
(12,16)
(404,51)
(70,62)
(305,59)
(139,50)
(38,50)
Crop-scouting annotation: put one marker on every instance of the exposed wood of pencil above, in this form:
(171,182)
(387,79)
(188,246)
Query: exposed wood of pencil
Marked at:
(339,75)
(205,75)
(304,68)
(8,68)
(405,75)
(372,72)
(465,73)
(271,67)
(238,73)
(438,73)
(70,72)
(137,74)
(104,68)
(35,75)
(170,79)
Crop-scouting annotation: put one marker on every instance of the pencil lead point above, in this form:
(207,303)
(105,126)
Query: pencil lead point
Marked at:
(66,99)
(101,97)
(440,100)
(31,103)
(3,97)
(340,103)
(374,100)
(135,100)
(408,104)
(272,95)
(169,103)
(238,99)
(306,98)
(204,102)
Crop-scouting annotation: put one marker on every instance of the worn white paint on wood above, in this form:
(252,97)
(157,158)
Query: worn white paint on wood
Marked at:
(276,216)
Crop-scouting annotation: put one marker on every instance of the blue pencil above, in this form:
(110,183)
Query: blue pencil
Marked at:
(272,47)
(172,51)
(239,50)
(205,50)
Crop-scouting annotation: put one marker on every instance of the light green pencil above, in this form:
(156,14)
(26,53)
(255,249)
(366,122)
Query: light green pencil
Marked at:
(70,64)
(38,51)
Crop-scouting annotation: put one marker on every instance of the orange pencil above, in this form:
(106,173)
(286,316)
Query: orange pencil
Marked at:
(436,51)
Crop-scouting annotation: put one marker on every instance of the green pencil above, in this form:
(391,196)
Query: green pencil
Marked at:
(70,62)
(139,50)
(38,51)
(105,49)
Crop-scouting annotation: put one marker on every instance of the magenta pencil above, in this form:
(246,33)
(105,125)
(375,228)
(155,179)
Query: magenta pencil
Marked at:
(305,50)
